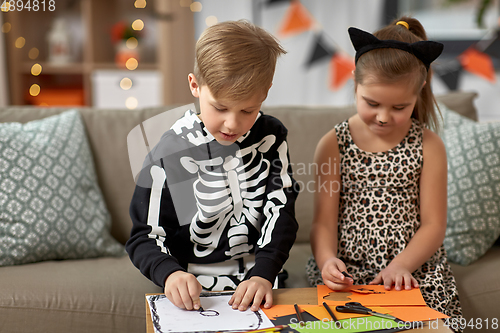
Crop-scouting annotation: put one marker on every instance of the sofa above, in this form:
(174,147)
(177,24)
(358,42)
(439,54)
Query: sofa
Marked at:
(106,293)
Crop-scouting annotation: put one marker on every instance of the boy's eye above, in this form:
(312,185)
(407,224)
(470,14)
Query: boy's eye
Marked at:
(372,104)
(218,109)
(247,112)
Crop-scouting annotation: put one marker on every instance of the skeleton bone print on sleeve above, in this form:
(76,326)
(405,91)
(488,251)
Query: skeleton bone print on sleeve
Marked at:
(230,193)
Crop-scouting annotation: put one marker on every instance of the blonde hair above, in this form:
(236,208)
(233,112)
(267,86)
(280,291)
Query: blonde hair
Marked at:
(236,59)
(389,65)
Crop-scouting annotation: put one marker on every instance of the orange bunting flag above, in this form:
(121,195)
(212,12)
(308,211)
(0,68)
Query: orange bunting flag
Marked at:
(341,68)
(478,63)
(297,20)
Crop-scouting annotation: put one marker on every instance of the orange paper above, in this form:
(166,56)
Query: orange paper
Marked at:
(341,68)
(317,311)
(413,313)
(478,63)
(405,313)
(297,20)
(379,297)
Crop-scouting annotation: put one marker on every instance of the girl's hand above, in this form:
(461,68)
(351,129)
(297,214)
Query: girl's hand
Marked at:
(397,275)
(332,274)
(254,290)
(183,290)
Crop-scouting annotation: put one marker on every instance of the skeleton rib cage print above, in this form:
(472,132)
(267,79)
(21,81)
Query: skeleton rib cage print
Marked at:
(220,191)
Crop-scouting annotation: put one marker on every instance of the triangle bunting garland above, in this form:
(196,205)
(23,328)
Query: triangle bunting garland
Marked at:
(297,20)
(478,63)
(449,73)
(494,48)
(320,51)
(272,2)
(341,68)
(476,59)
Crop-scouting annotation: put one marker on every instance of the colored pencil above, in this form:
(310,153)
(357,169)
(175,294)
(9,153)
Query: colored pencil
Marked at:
(330,312)
(261,330)
(270,329)
(297,311)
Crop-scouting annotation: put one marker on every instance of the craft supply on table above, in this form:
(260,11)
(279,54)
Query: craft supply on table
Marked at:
(297,312)
(214,315)
(330,312)
(356,307)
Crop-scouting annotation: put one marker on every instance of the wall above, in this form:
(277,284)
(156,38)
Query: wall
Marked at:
(4,99)
(296,84)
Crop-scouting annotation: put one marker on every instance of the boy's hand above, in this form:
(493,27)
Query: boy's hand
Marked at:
(332,274)
(183,290)
(253,290)
(397,275)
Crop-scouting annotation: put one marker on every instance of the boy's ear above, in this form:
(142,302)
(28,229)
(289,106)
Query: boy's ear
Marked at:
(193,85)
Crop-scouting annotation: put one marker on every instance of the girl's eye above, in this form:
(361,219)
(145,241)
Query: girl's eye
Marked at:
(247,112)
(372,105)
(399,108)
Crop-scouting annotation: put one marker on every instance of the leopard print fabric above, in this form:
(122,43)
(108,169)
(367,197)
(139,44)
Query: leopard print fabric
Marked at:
(379,214)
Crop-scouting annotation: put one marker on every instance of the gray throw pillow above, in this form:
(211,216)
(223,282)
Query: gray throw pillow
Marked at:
(473,152)
(51,206)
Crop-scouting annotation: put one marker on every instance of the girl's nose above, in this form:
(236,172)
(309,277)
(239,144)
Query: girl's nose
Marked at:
(383,117)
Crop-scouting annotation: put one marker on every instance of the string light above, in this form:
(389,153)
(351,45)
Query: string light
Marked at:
(126,83)
(131,64)
(34,90)
(140,4)
(196,6)
(33,53)
(132,43)
(6,27)
(5,6)
(131,103)
(211,20)
(20,42)
(138,25)
(36,69)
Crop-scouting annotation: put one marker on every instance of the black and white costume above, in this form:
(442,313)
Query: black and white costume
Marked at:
(223,213)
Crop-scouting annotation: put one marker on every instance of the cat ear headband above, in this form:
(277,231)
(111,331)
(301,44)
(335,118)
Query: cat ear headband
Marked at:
(425,51)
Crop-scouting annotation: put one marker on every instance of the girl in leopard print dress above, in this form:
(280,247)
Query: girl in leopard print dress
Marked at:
(387,222)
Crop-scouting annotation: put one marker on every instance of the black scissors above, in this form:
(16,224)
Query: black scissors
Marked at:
(355,307)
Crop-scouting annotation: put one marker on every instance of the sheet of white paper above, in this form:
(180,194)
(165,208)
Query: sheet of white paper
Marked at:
(217,316)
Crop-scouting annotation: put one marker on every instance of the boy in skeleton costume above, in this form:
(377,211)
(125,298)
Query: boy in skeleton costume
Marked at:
(214,204)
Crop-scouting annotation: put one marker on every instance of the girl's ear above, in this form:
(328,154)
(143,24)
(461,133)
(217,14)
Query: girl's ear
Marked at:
(193,85)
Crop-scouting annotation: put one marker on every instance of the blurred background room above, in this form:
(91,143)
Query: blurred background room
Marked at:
(137,53)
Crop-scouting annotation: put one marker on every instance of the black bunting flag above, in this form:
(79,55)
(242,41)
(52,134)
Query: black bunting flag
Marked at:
(320,51)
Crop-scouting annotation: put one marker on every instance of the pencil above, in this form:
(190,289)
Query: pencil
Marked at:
(330,312)
(270,329)
(297,311)
(261,330)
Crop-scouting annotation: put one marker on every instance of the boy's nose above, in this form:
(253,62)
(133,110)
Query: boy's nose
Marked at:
(231,123)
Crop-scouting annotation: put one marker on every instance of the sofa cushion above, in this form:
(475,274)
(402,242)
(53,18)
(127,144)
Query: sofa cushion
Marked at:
(100,295)
(479,287)
(107,131)
(473,151)
(51,205)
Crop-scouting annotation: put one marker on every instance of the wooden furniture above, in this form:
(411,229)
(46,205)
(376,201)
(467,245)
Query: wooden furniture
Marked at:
(167,45)
(303,296)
